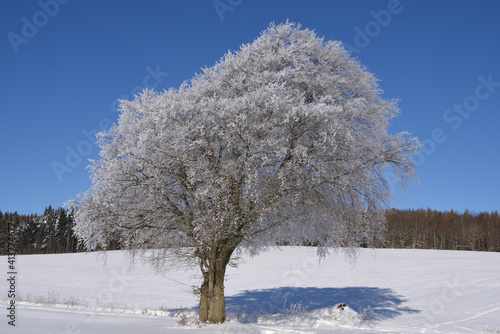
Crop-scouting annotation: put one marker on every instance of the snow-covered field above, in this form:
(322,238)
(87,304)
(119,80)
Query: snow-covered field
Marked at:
(282,291)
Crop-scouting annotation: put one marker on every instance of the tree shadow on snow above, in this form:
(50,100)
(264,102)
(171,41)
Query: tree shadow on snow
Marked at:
(384,302)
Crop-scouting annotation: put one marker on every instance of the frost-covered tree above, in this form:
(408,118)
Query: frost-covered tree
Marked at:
(284,140)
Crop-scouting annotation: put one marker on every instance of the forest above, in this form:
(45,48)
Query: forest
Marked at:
(443,230)
(52,232)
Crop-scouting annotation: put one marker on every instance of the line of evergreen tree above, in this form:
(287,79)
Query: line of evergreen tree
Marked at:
(51,232)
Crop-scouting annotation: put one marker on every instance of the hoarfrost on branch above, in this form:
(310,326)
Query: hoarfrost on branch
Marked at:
(282,141)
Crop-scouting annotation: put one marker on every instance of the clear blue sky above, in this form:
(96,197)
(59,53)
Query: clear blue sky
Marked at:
(64,63)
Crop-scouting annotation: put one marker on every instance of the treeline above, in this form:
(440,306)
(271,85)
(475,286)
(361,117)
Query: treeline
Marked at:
(51,232)
(443,230)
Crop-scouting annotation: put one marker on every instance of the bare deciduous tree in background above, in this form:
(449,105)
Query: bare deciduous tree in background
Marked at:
(283,140)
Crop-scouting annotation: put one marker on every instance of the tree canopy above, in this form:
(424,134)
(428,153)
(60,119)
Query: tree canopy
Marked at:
(284,140)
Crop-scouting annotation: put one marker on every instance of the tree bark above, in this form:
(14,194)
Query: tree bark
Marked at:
(212,300)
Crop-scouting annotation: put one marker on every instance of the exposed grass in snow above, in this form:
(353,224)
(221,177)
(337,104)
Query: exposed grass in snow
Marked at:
(56,300)
(52,298)
(293,310)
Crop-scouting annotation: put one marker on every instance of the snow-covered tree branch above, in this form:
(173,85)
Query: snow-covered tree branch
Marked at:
(284,140)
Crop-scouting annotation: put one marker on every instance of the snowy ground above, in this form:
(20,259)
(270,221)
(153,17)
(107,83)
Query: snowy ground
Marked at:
(283,291)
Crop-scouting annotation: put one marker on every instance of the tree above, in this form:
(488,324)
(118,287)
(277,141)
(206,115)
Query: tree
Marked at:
(284,140)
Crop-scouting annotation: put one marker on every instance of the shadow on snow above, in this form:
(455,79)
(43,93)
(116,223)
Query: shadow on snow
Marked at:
(384,302)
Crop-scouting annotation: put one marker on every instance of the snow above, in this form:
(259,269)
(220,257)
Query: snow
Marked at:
(281,291)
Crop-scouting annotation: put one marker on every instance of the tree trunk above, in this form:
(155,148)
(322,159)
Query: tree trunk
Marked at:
(212,300)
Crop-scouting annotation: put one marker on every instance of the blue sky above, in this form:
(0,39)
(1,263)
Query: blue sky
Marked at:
(64,63)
